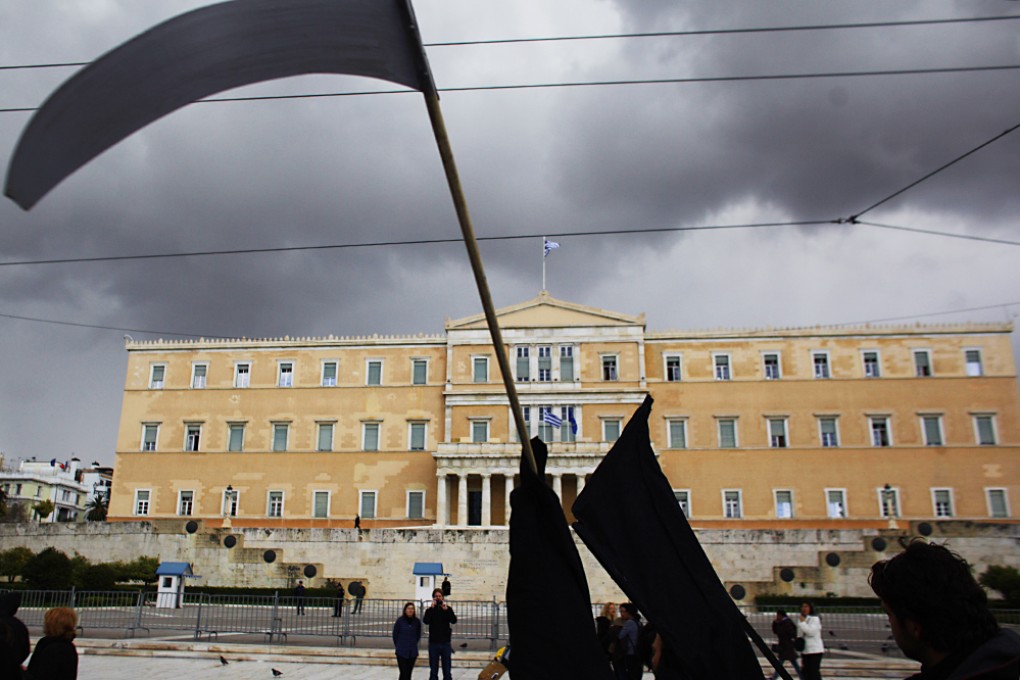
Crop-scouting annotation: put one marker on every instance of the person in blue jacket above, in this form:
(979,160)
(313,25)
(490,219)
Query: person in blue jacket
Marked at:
(406,636)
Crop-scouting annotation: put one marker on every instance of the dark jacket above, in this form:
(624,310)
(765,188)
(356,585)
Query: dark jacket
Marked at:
(20,646)
(786,632)
(406,635)
(995,659)
(439,621)
(54,658)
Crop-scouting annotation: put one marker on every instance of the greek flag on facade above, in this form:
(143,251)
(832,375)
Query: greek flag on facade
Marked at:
(550,245)
(552,418)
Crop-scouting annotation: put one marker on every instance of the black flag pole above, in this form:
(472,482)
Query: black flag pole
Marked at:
(470,242)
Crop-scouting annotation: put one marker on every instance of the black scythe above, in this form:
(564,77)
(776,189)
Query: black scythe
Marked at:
(228,45)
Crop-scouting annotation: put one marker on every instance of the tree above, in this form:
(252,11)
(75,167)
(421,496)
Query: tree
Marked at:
(96,508)
(49,570)
(1006,580)
(97,577)
(13,561)
(17,512)
(140,569)
(43,509)
(3,502)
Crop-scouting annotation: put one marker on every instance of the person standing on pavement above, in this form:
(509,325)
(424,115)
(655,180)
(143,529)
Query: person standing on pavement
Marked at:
(810,628)
(338,605)
(406,636)
(55,656)
(439,617)
(786,632)
(446,587)
(299,598)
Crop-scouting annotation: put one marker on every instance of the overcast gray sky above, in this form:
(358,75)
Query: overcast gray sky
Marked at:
(533,161)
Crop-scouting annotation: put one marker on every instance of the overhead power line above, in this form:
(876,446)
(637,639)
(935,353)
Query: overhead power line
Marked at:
(932,232)
(605,83)
(57,322)
(654,34)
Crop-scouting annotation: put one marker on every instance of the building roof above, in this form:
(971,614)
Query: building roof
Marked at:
(545,311)
(428,569)
(174,569)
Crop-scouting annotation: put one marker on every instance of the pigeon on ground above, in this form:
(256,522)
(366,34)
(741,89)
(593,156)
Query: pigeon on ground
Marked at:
(463,644)
(276,673)
(223,662)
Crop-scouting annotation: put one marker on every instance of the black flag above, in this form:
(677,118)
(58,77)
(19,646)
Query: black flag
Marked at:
(630,520)
(552,630)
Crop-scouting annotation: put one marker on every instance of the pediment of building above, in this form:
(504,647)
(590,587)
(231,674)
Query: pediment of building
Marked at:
(546,311)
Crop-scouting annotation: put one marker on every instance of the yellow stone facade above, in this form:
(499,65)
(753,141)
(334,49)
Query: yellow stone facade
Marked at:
(770,428)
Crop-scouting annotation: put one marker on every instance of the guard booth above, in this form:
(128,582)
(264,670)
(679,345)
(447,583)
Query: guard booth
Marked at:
(425,575)
(170,591)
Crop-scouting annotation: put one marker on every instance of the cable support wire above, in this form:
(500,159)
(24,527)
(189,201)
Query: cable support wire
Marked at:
(654,34)
(603,83)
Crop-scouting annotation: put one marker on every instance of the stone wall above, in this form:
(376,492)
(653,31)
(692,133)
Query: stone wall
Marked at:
(794,562)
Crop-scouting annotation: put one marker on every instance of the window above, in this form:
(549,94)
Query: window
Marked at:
(784,504)
(523,364)
(889,502)
(419,371)
(235,440)
(185,503)
(480,369)
(415,505)
(370,436)
(777,433)
(922,363)
(544,364)
(156,376)
(367,504)
(998,506)
(673,367)
(609,367)
(732,506)
(373,372)
(198,373)
(325,438)
(280,431)
(242,375)
(526,412)
(548,422)
(727,433)
(835,503)
(479,431)
(871,366)
(142,501)
(722,366)
(828,432)
(230,502)
(942,502)
(683,499)
(880,435)
(677,431)
(329,373)
(984,425)
(285,377)
(771,365)
(192,437)
(150,433)
(973,358)
(567,363)
(821,363)
(416,437)
(932,427)
(274,506)
(568,429)
(611,429)
(320,504)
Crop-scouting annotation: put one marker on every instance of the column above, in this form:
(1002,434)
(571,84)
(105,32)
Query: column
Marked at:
(509,489)
(442,498)
(557,486)
(580,483)
(486,499)
(462,500)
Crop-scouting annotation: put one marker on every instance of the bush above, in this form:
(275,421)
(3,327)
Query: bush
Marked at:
(97,577)
(49,570)
(12,562)
(1004,580)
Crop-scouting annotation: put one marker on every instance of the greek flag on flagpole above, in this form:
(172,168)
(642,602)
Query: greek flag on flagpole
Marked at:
(552,418)
(550,245)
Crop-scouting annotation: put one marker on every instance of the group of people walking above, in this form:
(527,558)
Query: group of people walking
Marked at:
(799,637)
(439,617)
(55,656)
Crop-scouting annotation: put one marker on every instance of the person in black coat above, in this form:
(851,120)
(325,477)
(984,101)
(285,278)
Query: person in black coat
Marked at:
(338,605)
(55,656)
(439,617)
(299,598)
(406,636)
(786,632)
(17,633)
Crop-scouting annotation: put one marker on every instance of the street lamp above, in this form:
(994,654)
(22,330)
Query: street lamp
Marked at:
(889,503)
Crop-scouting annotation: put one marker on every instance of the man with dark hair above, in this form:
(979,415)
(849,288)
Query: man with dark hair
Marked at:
(439,617)
(939,616)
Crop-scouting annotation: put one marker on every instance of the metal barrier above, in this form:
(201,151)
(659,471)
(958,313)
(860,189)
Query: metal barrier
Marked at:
(279,617)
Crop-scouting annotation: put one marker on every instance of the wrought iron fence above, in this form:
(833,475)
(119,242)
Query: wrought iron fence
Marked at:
(281,617)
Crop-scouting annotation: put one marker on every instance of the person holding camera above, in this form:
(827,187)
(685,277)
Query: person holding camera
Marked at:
(439,617)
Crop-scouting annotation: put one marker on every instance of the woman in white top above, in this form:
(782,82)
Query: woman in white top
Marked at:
(809,627)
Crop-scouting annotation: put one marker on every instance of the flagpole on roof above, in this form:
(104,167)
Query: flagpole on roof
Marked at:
(543,262)
(470,242)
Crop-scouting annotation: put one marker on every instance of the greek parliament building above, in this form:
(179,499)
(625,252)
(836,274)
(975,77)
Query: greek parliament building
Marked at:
(834,427)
